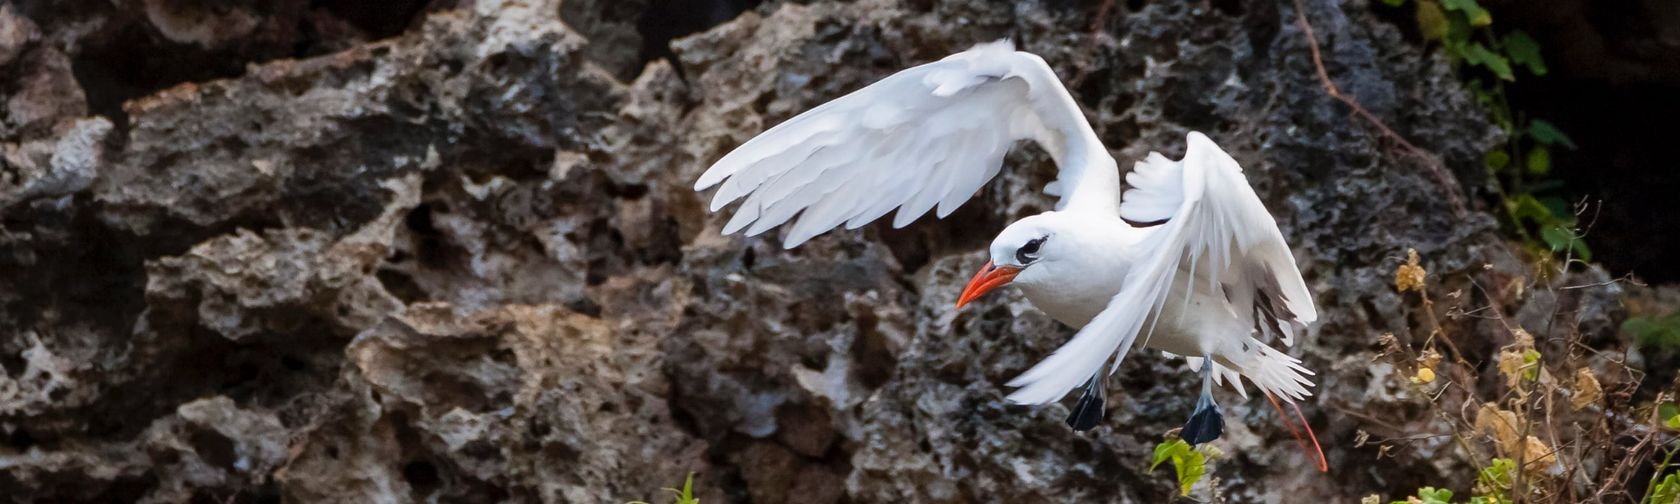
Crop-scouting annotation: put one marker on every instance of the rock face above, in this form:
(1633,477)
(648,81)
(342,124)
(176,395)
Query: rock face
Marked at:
(464,263)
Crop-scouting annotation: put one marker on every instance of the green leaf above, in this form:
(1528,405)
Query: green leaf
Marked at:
(1545,133)
(1497,477)
(1496,160)
(1556,237)
(1477,54)
(687,494)
(1525,207)
(1555,206)
(1668,490)
(1539,160)
(684,496)
(1473,12)
(1531,364)
(1561,238)
(1393,3)
(1188,464)
(1432,21)
(1673,422)
(1163,451)
(1657,333)
(1430,495)
(1525,51)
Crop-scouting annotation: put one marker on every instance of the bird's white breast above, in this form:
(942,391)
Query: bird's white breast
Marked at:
(1193,325)
(1074,305)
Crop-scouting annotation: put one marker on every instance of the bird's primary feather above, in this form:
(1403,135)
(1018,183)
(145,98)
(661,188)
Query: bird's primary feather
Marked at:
(923,139)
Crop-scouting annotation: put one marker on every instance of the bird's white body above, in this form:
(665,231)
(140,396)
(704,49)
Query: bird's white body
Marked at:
(1080,294)
(1200,322)
(1189,262)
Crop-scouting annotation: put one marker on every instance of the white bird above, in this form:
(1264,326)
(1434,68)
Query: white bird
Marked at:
(1189,262)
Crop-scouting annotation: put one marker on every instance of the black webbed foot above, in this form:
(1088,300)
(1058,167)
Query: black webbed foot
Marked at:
(1205,424)
(1087,412)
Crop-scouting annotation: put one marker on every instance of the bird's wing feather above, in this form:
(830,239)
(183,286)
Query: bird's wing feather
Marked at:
(926,137)
(1215,230)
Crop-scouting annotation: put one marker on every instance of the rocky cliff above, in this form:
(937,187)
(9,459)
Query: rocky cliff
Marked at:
(396,252)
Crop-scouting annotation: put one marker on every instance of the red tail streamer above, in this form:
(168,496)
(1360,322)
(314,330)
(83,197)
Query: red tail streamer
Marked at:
(1323,465)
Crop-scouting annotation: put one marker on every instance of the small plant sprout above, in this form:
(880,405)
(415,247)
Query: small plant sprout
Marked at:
(1188,464)
(1429,495)
(684,496)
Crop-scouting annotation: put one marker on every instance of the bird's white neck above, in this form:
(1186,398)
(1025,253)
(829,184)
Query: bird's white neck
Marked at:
(1088,172)
(1096,185)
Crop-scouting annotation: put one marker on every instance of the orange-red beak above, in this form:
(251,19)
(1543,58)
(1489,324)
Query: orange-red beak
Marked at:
(989,277)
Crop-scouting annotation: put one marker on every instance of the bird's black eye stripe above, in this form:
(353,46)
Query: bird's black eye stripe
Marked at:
(1025,253)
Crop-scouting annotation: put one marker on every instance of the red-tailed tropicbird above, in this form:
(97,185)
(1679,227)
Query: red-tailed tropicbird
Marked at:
(1189,261)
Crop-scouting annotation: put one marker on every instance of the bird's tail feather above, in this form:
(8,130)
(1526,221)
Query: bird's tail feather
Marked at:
(1270,370)
(1323,465)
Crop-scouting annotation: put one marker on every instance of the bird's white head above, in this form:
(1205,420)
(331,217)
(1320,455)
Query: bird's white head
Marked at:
(1037,250)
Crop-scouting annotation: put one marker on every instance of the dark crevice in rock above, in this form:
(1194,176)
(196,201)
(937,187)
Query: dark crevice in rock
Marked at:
(401,285)
(112,72)
(20,439)
(378,18)
(875,361)
(422,476)
(122,489)
(87,272)
(136,55)
(213,447)
(603,263)
(667,20)
(1233,8)
(193,363)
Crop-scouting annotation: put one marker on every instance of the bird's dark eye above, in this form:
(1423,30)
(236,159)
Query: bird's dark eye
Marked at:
(1027,252)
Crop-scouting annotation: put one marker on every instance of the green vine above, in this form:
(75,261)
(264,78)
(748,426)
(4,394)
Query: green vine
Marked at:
(1521,169)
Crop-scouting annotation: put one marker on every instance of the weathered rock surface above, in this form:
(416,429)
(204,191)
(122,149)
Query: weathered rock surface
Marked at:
(465,264)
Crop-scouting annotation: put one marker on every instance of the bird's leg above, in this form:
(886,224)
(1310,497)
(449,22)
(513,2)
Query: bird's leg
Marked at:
(1089,410)
(1206,422)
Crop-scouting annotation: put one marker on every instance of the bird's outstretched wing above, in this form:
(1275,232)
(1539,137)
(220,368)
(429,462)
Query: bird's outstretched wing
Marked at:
(1213,229)
(926,136)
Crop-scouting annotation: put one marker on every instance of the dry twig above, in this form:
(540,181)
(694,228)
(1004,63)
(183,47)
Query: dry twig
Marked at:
(1448,182)
(1084,66)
